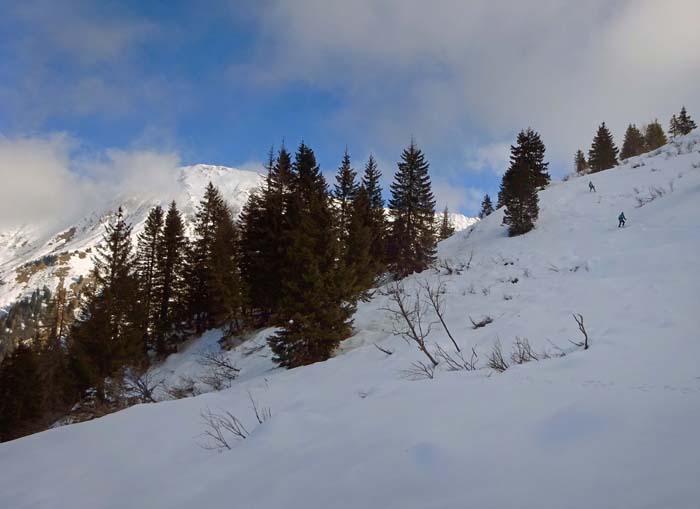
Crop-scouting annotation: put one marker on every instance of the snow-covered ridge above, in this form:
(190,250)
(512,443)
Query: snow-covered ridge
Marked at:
(614,426)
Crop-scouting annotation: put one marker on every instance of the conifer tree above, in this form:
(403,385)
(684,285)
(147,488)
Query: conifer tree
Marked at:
(633,145)
(263,242)
(210,211)
(412,207)
(673,127)
(519,185)
(486,207)
(313,309)
(344,194)
(530,155)
(361,266)
(685,123)
(148,252)
(446,229)
(171,270)
(580,163)
(224,285)
(20,393)
(654,136)
(603,152)
(108,334)
(377,215)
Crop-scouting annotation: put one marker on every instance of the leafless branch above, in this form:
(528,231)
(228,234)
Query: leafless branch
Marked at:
(409,318)
(582,328)
(221,428)
(262,414)
(435,294)
(419,370)
(383,350)
(456,361)
(496,360)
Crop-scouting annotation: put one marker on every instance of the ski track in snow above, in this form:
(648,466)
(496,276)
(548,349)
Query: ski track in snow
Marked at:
(612,427)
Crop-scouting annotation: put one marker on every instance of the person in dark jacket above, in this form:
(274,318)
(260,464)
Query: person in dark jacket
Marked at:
(621,218)
(591,187)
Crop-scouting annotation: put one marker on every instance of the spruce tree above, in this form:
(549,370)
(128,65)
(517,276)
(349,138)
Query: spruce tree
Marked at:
(633,145)
(20,393)
(224,285)
(486,207)
(210,211)
(580,163)
(673,127)
(412,208)
(313,310)
(446,229)
(262,239)
(603,152)
(685,123)
(530,155)
(362,268)
(654,136)
(519,185)
(148,252)
(346,187)
(108,334)
(377,214)
(171,271)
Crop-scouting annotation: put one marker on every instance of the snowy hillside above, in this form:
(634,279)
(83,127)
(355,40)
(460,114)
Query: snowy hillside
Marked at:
(614,426)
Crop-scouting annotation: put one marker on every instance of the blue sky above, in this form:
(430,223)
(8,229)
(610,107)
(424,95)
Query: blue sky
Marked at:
(221,81)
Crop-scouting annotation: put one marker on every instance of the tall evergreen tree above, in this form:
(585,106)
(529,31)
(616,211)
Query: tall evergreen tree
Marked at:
(224,285)
(171,270)
(530,154)
(520,183)
(313,308)
(263,242)
(108,334)
(580,163)
(148,251)
(603,152)
(211,210)
(486,207)
(361,266)
(377,214)
(346,187)
(654,136)
(412,208)
(446,229)
(633,145)
(685,123)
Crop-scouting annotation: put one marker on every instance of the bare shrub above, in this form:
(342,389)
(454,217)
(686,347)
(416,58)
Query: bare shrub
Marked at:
(419,370)
(435,294)
(262,414)
(140,387)
(410,318)
(455,361)
(221,429)
(481,323)
(451,267)
(486,291)
(221,371)
(582,329)
(496,360)
(523,352)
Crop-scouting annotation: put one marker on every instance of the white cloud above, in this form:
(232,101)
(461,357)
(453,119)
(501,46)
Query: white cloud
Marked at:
(493,157)
(46,181)
(456,72)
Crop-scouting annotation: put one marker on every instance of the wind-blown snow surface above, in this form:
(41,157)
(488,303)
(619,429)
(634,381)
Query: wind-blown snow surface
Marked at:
(612,427)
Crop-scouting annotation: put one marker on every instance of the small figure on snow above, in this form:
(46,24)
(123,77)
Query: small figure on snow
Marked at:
(591,187)
(622,219)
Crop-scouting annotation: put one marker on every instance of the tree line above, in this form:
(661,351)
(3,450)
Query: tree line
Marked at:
(604,154)
(299,257)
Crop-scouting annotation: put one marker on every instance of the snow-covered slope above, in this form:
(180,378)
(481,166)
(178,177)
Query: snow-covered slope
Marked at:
(614,426)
